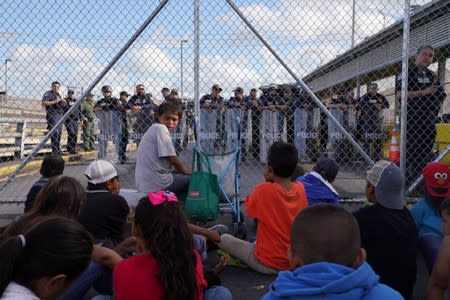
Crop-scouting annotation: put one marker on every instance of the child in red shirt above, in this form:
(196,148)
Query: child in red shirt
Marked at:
(168,267)
(274,203)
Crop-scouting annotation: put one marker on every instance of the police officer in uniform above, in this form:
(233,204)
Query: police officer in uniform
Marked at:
(371,115)
(215,101)
(425,97)
(255,106)
(108,111)
(87,111)
(143,106)
(122,107)
(54,106)
(72,122)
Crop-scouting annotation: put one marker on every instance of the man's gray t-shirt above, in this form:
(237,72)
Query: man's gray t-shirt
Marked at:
(153,171)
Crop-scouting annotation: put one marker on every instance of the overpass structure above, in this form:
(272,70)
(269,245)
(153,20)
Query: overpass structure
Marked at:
(380,55)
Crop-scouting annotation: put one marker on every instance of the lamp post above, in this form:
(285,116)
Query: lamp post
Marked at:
(181,71)
(6,75)
(353,21)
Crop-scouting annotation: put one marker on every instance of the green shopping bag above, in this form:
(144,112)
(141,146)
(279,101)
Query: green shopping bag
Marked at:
(202,201)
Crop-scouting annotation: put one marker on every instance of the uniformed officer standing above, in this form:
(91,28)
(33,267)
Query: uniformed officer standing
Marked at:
(143,106)
(87,111)
(123,143)
(371,116)
(213,105)
(72,122)
(425,97)
(108,114)
(255,106)
(54,106)
(274,102)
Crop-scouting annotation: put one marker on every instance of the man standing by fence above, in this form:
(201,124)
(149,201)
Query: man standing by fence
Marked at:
(372,105)
(87,110)
(425,97)
(54,105)
(72,122)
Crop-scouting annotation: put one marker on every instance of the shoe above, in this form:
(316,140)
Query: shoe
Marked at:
(220,228)
(73,152)
(231,260)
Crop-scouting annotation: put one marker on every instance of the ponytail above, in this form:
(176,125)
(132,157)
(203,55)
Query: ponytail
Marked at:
(10,251)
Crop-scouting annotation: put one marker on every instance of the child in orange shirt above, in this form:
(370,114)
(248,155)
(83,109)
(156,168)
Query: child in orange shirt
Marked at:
(275,203)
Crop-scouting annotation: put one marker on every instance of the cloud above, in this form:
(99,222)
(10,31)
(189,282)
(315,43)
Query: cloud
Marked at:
(149,58)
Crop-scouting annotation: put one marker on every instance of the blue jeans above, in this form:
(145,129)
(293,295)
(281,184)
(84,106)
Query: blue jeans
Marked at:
(217,292)
(429,246)
(97,276)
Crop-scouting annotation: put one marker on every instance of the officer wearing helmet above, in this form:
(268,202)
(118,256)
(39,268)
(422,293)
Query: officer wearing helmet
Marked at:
(72,122)
(108,111)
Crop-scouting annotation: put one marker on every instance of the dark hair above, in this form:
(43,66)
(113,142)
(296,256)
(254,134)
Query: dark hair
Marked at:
(53,245)
(169,106)
(423,47)
(299,171)
(167,237)
(52,165)
(56,82)
(326,233)
(445,206)
(61,195)
(165,89)
(282,157)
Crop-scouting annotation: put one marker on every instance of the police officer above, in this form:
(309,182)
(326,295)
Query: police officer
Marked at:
(214,102)
(371,115)
(143,106)
(54,106)
(341,146)
(166,93)
(72,122)
(425,97)
(107,111)
(255,107)
(87,111)
(122,108)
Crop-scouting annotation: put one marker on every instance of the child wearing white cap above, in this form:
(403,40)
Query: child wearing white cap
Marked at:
(105,213)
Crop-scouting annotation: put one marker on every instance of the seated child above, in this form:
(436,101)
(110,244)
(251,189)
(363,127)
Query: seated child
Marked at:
(327,260)
(426,214)
(105,212)
(44,260)
(318,182)
(388,231)
(275,203)
(167,266)
(52,165)
(439,279)
(156,155)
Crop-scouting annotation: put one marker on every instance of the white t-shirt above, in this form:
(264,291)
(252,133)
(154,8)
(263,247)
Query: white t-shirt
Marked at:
(16,291)
(153,171)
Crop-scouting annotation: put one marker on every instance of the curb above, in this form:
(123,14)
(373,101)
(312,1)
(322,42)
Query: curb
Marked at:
(33,165)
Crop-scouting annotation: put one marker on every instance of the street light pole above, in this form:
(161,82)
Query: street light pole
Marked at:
(181,71)
(6,75)
(353,22)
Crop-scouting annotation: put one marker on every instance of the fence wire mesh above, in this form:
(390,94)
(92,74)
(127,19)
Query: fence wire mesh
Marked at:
(347,52)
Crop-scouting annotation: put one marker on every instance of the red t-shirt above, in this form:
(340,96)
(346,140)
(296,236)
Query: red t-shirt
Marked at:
(137,278)
(275,208)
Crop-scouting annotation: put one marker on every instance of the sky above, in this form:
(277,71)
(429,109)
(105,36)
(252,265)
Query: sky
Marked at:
(73,41)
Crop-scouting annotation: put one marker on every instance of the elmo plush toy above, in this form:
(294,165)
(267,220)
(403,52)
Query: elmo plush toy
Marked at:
(437,179)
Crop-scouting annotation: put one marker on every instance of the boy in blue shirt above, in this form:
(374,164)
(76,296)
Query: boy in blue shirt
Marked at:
(327,260)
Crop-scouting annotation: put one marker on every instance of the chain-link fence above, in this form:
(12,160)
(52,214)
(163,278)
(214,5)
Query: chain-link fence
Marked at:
(323,75)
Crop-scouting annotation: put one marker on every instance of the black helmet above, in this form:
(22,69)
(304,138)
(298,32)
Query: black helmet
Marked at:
(106,88)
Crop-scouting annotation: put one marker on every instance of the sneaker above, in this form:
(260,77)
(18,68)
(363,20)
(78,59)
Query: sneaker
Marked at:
(231,260)
(220,228)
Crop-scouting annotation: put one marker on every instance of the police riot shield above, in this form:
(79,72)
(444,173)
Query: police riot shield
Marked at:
(350,119)
(209,133)
(334,134)
(110,129)
(231,128)
(269,132)
(301,130)
(178,135)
